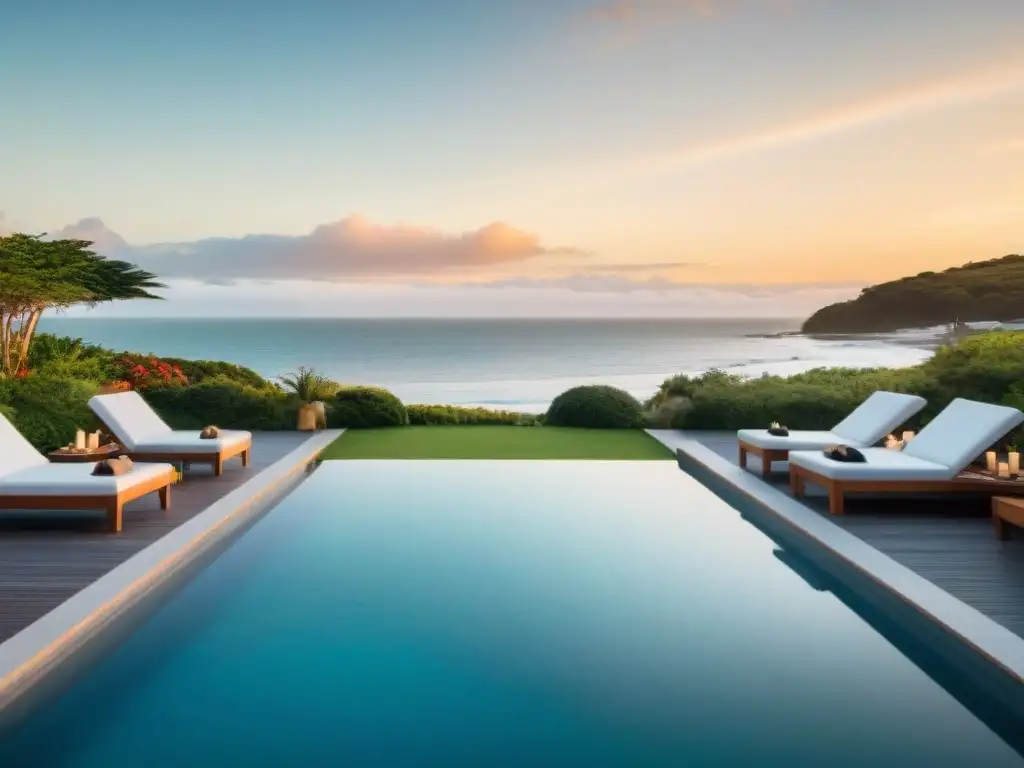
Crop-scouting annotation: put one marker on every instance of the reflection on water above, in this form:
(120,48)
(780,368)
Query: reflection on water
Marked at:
(523,613)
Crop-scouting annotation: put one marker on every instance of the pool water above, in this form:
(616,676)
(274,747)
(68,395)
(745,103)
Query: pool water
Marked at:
(503,613)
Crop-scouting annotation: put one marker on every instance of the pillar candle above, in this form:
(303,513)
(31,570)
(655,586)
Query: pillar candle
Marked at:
(1004,469)
(908,436)
(990,461)
(1014,463)
(80,440)
(94,441)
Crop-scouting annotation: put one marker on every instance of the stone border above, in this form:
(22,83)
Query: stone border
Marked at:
(29,656)
(991,640)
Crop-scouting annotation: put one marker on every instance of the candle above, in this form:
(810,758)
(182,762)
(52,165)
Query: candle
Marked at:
(1004,469)
(94,441)
(990,461)
(1014,463)
(908,436)
(80,440)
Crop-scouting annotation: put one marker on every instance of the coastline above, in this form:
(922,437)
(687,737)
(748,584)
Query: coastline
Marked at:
(515,365)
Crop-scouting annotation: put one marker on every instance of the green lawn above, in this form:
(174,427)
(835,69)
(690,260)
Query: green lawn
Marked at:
(496,442)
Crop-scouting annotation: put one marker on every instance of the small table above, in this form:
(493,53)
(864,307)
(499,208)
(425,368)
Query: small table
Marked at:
(1006,510)
(64,456)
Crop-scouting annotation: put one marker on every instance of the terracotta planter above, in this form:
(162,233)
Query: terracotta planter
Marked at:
(307,418)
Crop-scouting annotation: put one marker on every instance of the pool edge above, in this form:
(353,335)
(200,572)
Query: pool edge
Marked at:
(994,643)
(29,656)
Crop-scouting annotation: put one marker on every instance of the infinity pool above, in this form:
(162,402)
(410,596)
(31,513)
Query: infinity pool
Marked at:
(503,613)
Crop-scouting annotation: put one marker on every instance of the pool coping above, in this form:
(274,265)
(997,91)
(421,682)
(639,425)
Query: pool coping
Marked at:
(994,642)
(27,657)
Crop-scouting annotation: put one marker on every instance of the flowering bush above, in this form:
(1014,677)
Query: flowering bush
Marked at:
(142,373)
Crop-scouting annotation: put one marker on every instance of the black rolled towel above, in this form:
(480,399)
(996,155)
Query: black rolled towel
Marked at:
(209,433)
(844,453)
(777,430)
(111,467)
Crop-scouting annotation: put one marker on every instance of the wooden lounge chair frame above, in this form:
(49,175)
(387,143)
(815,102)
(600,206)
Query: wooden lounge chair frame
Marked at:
(215,458)
(112,505)
(800,477)
(767,456)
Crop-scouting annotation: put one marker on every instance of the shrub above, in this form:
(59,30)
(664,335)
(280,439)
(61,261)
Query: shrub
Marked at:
(62,357)
(48,411)
(670,413)
(147,372)
(201,371)
(225,404)
(596,407)
(453,414)
(365,407)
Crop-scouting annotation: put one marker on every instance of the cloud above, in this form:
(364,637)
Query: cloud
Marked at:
(353,248)
(658,266)
(633,11)
(948,92)
(589,283)
(104,240)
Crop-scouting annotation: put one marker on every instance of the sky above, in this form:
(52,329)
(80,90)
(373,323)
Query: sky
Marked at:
(584,157)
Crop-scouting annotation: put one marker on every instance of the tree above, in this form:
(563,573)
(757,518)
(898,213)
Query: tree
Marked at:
(37,275)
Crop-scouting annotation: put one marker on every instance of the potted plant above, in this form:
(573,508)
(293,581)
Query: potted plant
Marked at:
(310,389)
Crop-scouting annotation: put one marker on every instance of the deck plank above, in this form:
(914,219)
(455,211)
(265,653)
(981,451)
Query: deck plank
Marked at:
(45,558)
(949,542)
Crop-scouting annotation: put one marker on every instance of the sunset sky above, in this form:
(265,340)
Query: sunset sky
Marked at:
(580,157)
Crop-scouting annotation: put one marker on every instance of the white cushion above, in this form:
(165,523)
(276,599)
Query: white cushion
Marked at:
(181,441)
(876,417)
(962,432)
(76,480)
(798,440)
(16,453)
(129,417)
(880,464)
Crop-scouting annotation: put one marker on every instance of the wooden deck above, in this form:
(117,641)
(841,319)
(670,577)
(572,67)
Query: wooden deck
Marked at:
(951,542)
(45,558)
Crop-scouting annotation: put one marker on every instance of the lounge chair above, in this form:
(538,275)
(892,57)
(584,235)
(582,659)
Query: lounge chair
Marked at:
(146,437)
(869,422)
(29,481)
(929,463)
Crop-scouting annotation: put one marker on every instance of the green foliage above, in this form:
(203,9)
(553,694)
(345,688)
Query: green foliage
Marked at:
(986,367)
(308,385)
(62,357)
(594,407)
(986,290)
(682,385)
(200,371)
(366,407)
(453,414)
(222,402)
(48,411)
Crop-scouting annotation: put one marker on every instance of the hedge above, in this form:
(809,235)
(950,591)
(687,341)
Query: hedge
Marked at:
(453,414)
(595,407)
(224,404)
(365,407)
(48,411)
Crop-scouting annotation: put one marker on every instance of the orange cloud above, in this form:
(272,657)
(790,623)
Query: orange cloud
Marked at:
(350,249)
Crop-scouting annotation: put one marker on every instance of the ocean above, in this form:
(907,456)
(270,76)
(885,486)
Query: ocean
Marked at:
(509,364)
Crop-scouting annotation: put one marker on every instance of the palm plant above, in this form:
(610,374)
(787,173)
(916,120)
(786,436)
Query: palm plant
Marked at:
(308,385)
